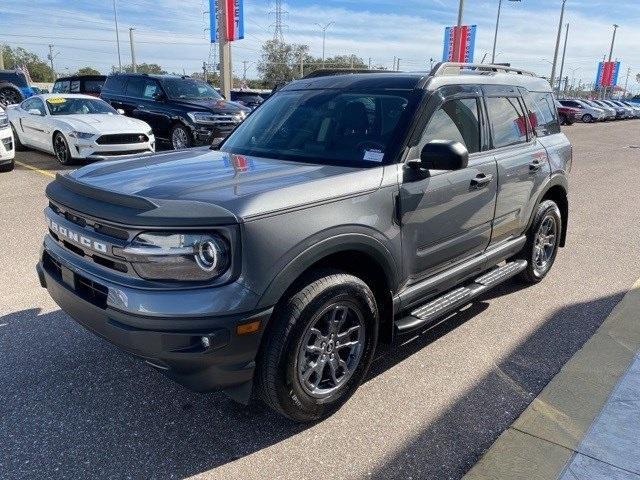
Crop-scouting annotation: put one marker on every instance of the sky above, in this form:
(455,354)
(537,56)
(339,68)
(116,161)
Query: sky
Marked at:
(172,33)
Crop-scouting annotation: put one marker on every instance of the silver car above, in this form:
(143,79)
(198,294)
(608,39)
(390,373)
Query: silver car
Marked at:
(609,111)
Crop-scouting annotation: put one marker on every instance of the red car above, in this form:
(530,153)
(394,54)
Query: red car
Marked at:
(567,115)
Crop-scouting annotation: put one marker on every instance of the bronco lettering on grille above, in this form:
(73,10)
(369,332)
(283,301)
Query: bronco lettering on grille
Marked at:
(77,237)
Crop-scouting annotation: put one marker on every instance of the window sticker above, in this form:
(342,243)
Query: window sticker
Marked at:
(55,100)
(373,155)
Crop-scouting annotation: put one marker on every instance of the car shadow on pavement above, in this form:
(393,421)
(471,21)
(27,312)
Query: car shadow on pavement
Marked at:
(72,403)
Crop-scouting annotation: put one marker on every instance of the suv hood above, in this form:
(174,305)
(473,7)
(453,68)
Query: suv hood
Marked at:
(215,106)
(209,181)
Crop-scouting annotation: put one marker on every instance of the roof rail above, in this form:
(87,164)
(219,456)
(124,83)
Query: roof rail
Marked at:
(453,68)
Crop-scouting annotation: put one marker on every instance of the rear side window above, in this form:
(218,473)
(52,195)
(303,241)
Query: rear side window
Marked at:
(75,86)
(455,120)
(93,86)
(544,115)
(115,85)
(508,121)
(61,87)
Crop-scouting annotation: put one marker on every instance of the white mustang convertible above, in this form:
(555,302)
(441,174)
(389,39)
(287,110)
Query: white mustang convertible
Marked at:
(78,127)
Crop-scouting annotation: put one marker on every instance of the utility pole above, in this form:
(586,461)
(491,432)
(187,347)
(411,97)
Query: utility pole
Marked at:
(564,53)
(1,56)
(50,57)
(369,63)
(394,63)
(552,79)
(301,64)
(133,51)
(626,83)
(225,51)
(613,41)
(245,67)
(398,65)
(324,37)
(495,35)
(115,19)
(204,70)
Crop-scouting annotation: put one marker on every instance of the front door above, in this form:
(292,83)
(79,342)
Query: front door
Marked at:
(447,216)
(34,125)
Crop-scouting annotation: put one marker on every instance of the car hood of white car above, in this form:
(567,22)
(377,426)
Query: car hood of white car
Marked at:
(104,123)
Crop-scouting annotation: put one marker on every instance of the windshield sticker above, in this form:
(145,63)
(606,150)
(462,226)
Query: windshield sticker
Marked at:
(373,155)
(56,100)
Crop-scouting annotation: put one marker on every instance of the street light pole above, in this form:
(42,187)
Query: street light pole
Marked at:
(555,55)
(495,35)
(564,54)
(133,51)
(613,41)
(456,39)
(324,37)
(115,18)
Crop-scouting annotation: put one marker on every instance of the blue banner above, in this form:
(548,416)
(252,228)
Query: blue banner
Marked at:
(213,22)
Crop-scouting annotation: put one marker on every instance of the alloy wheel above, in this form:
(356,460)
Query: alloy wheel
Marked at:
(60,147)
(331,349)
(545,245)
(179,138)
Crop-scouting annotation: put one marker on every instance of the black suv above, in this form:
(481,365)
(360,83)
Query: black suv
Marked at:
(85,84)
(247,98)
(182,110)
(14,87)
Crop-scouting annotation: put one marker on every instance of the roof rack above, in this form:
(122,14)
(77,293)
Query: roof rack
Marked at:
(454,68)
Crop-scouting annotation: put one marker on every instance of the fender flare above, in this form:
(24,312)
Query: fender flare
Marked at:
(556,180)
(340,241)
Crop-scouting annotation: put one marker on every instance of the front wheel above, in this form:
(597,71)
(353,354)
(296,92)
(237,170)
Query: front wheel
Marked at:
(61,149)
(319,348)
(543,241)
(180,137)
(587,118)
(16,140)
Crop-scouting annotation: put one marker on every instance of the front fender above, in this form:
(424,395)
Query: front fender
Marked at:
(338,240)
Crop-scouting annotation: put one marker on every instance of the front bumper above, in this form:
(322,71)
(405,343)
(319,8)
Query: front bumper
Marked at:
(7,145)
(91,150)
(206,134)
(172,343)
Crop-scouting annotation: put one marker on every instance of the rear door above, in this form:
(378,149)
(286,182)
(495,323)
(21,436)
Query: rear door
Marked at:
(522,161)
(446,216)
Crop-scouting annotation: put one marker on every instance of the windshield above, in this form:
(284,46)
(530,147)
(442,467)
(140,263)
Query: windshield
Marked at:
(74,106)
(325,126)
(178,88)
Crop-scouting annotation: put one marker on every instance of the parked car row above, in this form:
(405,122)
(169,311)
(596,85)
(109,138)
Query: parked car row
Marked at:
(589,111)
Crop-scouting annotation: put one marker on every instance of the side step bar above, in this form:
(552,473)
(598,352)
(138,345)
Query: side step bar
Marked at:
(453,300)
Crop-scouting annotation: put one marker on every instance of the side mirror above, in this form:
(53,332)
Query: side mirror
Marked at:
(444,155)
(34,111)
(120,111)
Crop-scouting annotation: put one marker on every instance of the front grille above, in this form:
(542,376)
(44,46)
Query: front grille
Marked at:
(120,152)
(122,139)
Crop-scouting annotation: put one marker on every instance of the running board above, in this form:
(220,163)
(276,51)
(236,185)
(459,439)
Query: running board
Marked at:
(453,300)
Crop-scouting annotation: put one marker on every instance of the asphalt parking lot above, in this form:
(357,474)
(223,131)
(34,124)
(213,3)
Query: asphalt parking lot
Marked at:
(73,406)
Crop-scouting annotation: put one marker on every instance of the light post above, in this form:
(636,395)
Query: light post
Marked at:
(495,36)
(573,75)
(613,41)
(555,55)
(456,41)
(324,37)
(115,19)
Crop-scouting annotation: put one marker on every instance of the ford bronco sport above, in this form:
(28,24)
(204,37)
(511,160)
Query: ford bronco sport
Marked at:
(344,212)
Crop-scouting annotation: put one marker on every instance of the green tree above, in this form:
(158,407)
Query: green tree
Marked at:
(150,68)
(280,61)
(39,70)
(87,71)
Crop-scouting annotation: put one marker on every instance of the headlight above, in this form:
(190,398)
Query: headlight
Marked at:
(178,256)
(150,133)
(4,120)
(81,135)
(202,117)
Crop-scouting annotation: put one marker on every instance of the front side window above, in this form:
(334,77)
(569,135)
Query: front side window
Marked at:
(508,121)
(150,89)
(324,126)
(455,120)
(188,88)
(34,104)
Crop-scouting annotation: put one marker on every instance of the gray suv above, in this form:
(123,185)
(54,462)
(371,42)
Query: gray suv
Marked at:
(344,213)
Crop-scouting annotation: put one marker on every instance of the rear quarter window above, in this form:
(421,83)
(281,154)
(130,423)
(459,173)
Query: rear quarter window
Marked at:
(61,86)
(115,85)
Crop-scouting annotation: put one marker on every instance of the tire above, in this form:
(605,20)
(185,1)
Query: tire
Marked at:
(7,167)
(563,119)
(301,357)
(587,118)
(180,137)
(541,259)
(19,146)
(9,95)
(61,149)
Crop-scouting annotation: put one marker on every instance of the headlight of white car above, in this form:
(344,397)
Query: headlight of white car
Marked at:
(81,135)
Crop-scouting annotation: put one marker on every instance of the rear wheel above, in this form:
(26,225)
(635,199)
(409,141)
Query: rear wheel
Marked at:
(320,347)
(61,149)
(542,244)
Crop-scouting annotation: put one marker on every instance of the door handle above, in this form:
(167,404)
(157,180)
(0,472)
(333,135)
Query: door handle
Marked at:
(481,181)
(535,166)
